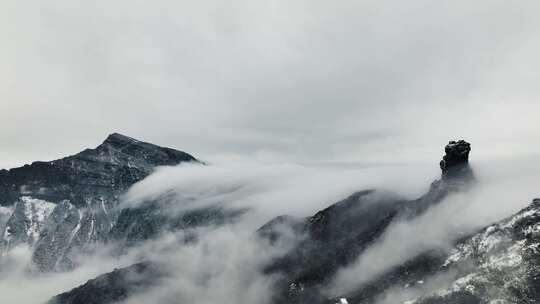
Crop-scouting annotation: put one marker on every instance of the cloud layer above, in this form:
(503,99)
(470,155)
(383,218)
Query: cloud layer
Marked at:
(225,262)
(297,81)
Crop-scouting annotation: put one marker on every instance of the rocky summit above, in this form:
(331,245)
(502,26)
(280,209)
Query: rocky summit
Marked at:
(456,157)
(67,206)
(105,171)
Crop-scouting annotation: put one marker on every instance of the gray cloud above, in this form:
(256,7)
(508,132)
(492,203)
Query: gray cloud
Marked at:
(224,264)
(270,190)
(225,261)
(295,81)
(40,287)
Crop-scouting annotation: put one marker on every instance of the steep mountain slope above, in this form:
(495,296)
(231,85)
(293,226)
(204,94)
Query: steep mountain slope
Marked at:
(499,264)
(84,190)
(337,235)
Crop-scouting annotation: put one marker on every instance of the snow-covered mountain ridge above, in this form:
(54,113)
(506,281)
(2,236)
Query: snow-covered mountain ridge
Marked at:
(66,207)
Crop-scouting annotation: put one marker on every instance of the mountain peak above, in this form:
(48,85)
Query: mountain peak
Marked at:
(113,166)
(117,138)
(120,147)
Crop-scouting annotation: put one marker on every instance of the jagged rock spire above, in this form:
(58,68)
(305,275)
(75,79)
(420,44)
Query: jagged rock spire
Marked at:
(456,158)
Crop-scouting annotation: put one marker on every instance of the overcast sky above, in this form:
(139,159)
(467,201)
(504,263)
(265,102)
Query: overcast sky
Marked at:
(281,80)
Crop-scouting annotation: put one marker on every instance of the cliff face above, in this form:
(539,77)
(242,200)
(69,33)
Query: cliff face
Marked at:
(66,206)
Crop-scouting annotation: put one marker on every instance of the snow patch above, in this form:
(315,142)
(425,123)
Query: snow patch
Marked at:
(36,212)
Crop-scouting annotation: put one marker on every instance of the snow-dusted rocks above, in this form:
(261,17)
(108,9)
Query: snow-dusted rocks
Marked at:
(500,264)
(25,223)
(56,239)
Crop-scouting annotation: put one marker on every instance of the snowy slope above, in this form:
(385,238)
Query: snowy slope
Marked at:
(26,222)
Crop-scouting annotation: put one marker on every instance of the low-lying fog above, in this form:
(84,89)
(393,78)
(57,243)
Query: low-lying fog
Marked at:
(224,264)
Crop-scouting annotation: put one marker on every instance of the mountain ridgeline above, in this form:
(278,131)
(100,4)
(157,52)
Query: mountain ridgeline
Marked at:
(65,208)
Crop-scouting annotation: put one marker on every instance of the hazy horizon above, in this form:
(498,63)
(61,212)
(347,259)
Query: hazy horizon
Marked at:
(302,81)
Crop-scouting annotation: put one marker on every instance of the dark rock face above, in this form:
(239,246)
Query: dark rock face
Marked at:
(113,287)
(83,190)
(457,156)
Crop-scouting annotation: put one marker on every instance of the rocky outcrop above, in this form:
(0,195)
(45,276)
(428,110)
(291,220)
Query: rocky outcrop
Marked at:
(456,158)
